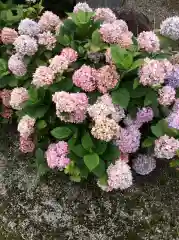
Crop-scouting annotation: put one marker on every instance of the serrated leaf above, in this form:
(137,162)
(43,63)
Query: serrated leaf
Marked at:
(61,132)
(121,97)
(91,161)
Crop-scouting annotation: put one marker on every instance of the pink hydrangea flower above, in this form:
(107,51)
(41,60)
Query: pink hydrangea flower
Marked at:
(126,40)
(59,64)
(148,41)
(5,96)
(48,21)
(85,78)
(71,107)
(26,126)
(17,66)
(26,145)
(112,32)
(104,14)
(8,35)
(119,175)
(106,78)
(18,97)
(105,107)
(166,147)
(25,45)
(70,54)
(104,129)
(43,76)
(47,39)
(82,7)
(153,72)
(56,155)
(166,95)
(6,112)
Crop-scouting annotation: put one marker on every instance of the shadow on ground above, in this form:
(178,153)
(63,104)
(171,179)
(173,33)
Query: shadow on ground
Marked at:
(58,209)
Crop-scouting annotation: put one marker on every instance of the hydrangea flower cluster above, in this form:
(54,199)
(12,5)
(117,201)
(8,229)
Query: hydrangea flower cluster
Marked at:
(116,32)
(166,95)
(26,126)
(8,35)
(148,41)
(105,107)
(71,107)
(169,28)
(144,164)
(129,139)
(119,175)
(25,45)
(18,97)
(47,39)
(166,147)
(82,7)
(17,66)
(105,15)
(28,27)
(172,79)
(144,115)
(89,79)
(48,21)
(105,129)
(154,72)
(56,155)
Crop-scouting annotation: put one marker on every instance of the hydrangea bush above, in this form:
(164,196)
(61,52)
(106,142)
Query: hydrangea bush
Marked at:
(90,98)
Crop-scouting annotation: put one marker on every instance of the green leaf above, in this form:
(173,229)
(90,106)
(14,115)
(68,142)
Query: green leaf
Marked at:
(161,128)
(75,178)
(41,163)
(99,171)
(112,153)
(136,83)
(91,161)
(174,163)
(138,63)
(78,150)
(3,66)
(61,133)
(148,142)
(121,57)
(96,38)
(121,97)
(64,85)
(87,142)
(41,124)
(151,98)
(103,180)
(100,147)
(36,111)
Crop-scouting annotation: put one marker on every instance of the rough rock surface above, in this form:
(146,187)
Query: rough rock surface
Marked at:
(57,209)
(156,10)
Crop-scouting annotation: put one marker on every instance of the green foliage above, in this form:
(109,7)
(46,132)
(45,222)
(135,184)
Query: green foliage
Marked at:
(121,97)
(91,161)
(61,133)
(88,156)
